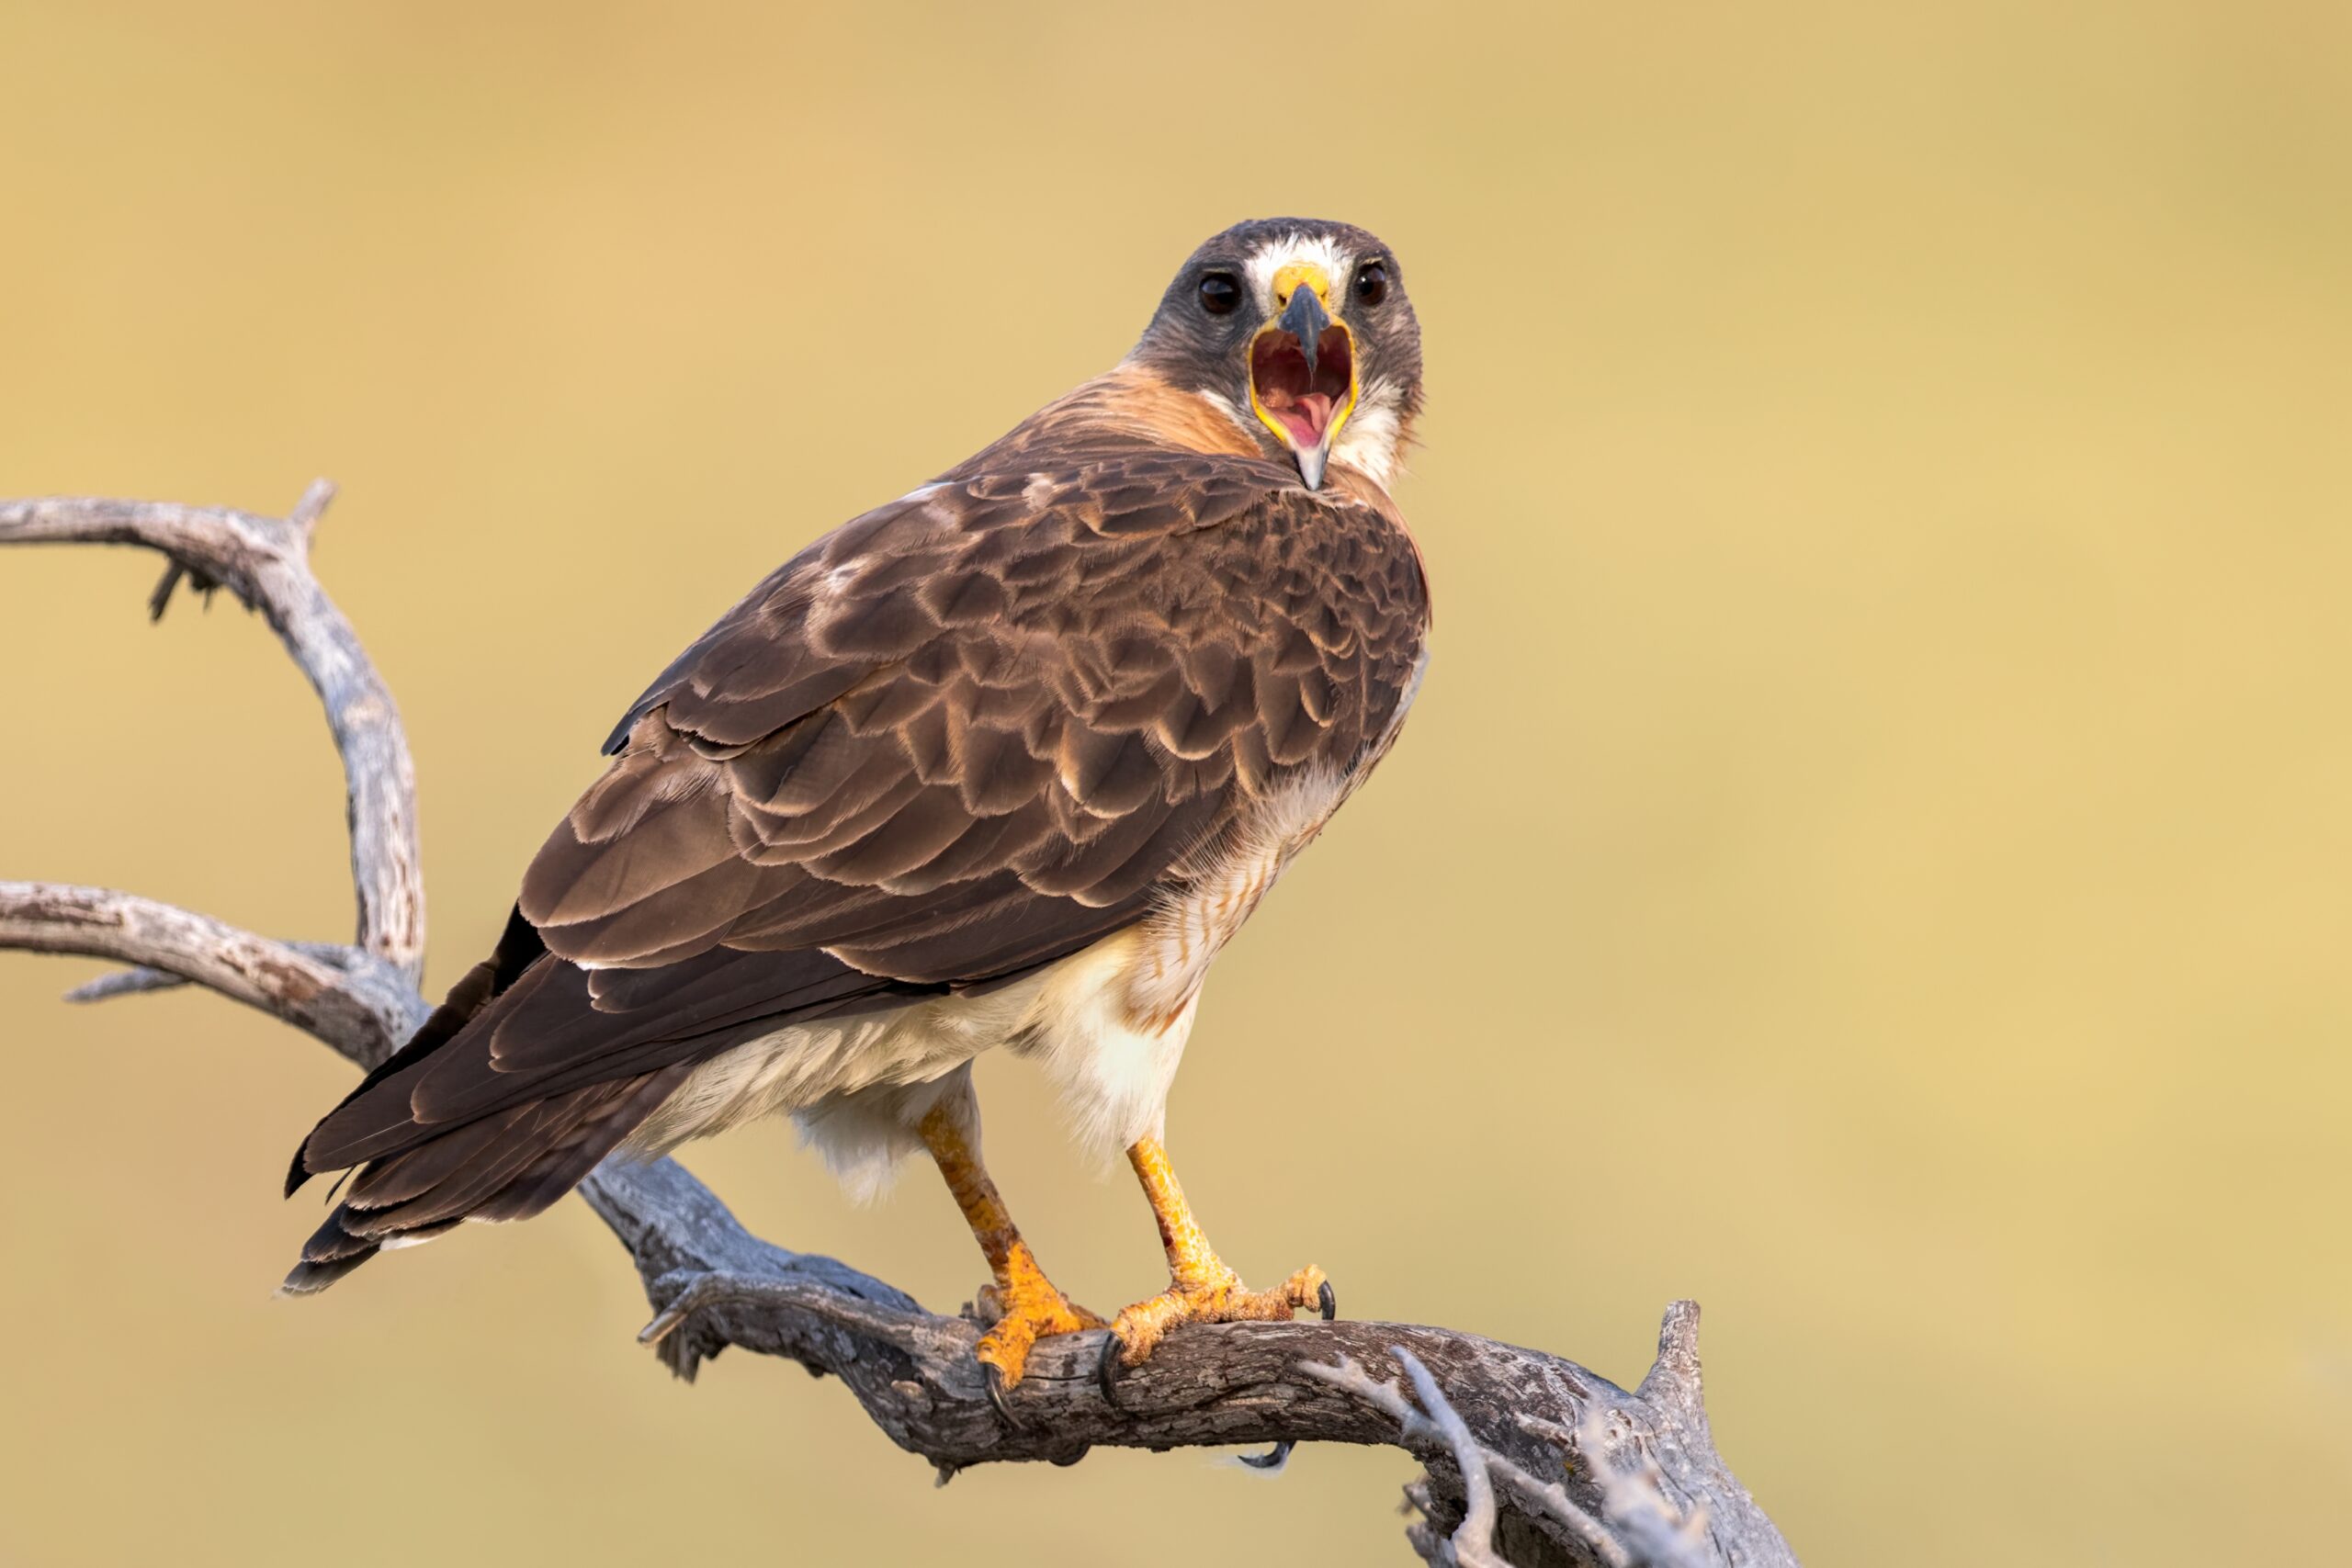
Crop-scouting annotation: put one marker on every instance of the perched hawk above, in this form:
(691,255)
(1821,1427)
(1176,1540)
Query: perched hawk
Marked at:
(1003,763)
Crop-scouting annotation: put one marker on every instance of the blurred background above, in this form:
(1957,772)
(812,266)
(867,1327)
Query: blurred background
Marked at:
(1872,853)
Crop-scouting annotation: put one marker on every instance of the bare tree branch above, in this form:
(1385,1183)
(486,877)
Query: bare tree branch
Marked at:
(141,980)
(365,1016)
(1533,1461)
(1443,1423)
(1471,1543)
(264,561)
(715,1284)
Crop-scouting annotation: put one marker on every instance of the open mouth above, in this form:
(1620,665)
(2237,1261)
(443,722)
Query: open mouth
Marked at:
(1303,398)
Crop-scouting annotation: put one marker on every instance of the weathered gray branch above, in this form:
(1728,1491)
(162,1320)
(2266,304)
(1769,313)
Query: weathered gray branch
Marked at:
(1532,1459)
(265,563)
(140,979)
(362,1011)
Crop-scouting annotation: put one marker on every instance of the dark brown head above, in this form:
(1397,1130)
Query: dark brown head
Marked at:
(1298,329)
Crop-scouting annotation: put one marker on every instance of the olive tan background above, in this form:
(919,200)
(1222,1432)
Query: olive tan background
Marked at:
(1872,853)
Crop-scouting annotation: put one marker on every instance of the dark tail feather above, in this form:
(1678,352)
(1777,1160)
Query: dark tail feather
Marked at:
(518,945)
(330,1254)
(505,1167)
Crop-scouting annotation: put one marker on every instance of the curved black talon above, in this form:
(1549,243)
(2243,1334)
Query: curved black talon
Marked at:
(1328,1300)
(993,1375)
(1106,1367)
(1273,1458)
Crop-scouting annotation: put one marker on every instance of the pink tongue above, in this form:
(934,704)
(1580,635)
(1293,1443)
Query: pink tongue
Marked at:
(1306,418)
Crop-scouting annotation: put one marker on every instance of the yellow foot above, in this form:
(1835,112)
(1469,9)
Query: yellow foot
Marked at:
(1024,1311)
(1214,1295)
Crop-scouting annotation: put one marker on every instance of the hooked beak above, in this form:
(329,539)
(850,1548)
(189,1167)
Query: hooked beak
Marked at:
(1302,370)
(1305,320)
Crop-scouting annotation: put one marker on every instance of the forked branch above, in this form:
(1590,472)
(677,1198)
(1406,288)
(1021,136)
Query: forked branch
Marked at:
(1531,1459)
(265,563)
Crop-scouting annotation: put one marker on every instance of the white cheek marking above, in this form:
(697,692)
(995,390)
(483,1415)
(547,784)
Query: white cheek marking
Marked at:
(1369,442)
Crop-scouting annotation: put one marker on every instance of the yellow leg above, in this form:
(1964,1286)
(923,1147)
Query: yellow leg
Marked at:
(1200,1287)
(1028,1305)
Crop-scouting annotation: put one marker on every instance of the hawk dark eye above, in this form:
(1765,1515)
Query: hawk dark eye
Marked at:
(1219,293)
(1371,283)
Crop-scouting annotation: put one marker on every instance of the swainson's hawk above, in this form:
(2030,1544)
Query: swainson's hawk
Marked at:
(1003,763)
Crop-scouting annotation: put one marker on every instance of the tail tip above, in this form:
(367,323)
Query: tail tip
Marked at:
(308,1277)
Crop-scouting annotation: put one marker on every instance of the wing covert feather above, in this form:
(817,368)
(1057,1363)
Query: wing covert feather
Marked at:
(949,738)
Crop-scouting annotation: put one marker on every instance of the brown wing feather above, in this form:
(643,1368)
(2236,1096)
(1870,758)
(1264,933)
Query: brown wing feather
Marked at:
(1136,674)
(963,735)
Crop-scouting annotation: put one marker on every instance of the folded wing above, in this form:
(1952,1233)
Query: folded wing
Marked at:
(963,735)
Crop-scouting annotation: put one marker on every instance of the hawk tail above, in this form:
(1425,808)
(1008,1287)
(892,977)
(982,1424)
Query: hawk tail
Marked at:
(507,1166)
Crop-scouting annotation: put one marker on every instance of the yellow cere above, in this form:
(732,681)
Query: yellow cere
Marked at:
(1293,274)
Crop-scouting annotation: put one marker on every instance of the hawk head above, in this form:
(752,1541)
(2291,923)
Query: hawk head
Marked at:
(1298,330)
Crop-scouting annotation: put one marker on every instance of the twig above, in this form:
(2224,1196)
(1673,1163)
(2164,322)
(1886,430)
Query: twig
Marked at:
(1443,1428)
(1634,1500)
(1473,1542)
(1438,1424)
(142,980)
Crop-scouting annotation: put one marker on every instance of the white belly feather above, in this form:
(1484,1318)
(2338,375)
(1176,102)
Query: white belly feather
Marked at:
(1108,1024)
